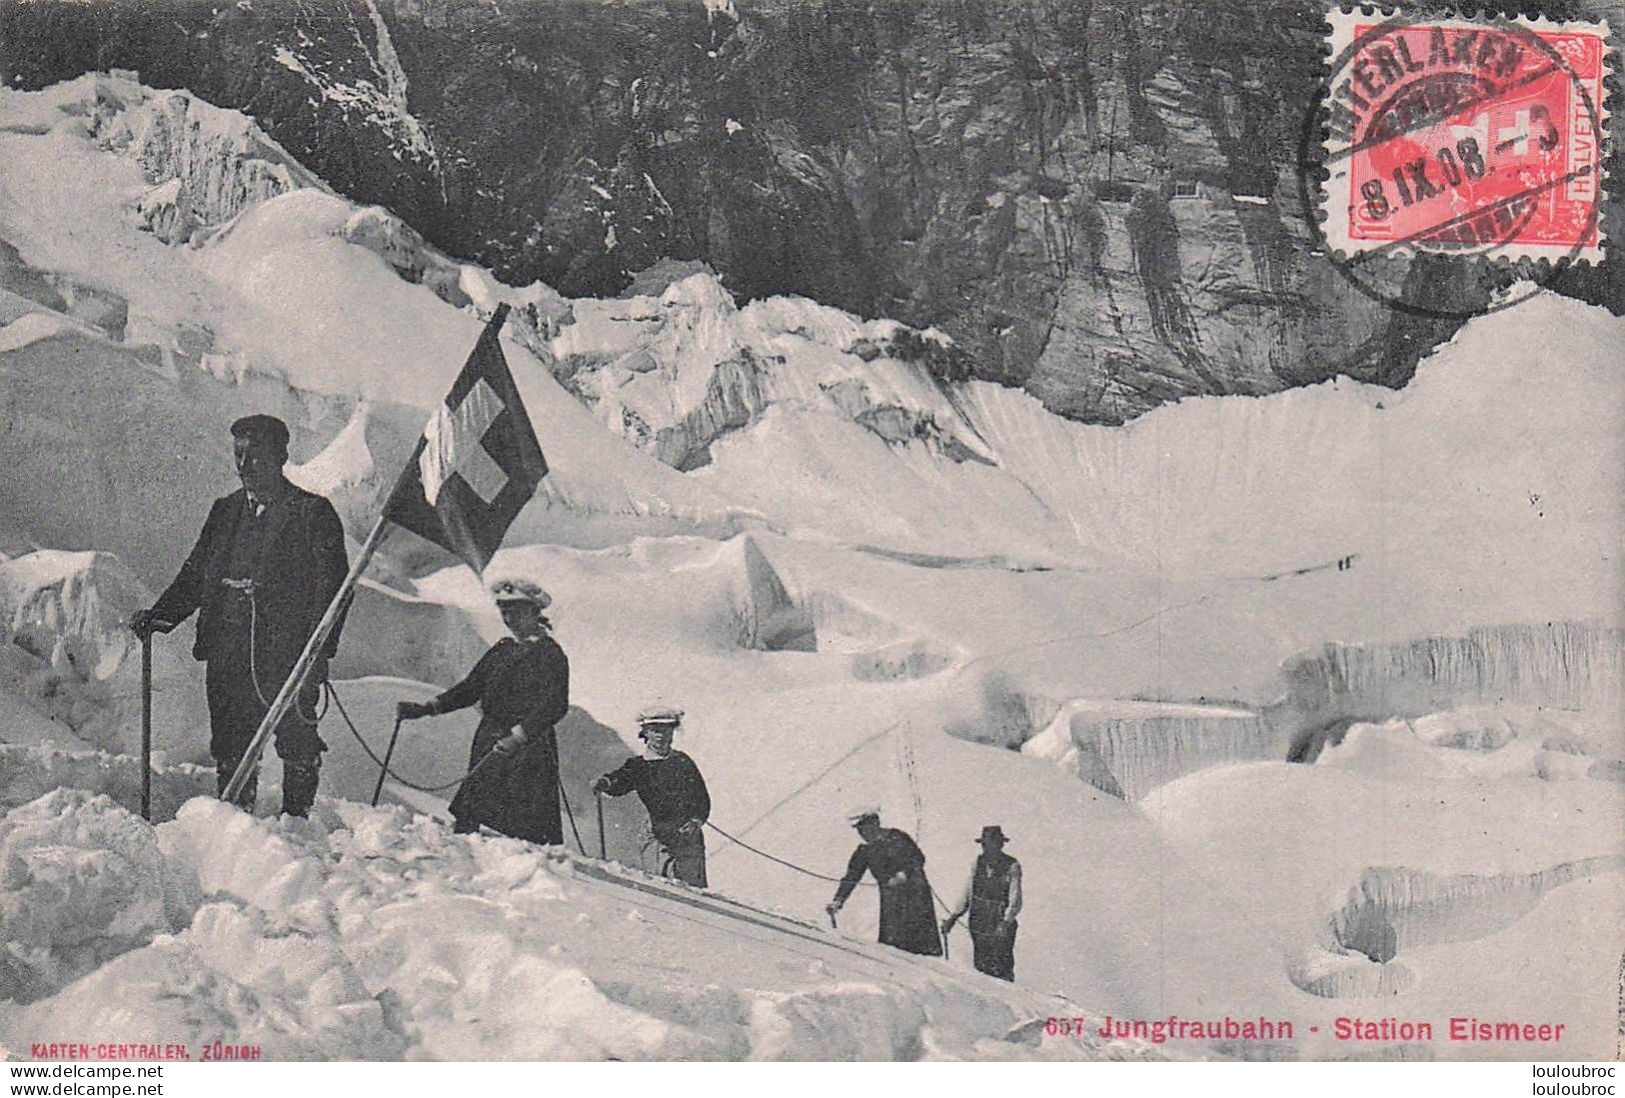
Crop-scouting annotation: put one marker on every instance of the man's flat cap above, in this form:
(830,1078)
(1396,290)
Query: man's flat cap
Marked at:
(262,428)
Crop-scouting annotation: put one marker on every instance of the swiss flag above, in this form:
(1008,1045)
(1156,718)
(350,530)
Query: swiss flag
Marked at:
(478,462)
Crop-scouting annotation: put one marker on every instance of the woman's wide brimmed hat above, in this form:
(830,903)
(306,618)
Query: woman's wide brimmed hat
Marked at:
(514,589)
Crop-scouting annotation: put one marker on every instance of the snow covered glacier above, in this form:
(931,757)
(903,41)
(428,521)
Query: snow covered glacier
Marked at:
(1289,703)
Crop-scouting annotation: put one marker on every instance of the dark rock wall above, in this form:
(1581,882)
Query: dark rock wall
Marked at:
(1061,185)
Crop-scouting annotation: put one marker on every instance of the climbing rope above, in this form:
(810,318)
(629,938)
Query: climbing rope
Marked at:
(774,858)
(247,588)
(906,755)
(380,762)
(760,853)
(816,778)
(1342,564)
(354,731)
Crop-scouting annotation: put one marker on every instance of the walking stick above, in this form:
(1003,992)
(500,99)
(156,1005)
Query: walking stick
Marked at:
(390,750)
(146,727)
(558,782)
(603,853)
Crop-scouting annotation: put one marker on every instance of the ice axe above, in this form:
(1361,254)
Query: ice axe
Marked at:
(603,853)
(947,927)
(146,726)
(384,770)
(146,713)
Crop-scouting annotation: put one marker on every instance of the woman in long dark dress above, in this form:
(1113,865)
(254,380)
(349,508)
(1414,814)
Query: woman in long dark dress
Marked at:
(522,686)
(907,919)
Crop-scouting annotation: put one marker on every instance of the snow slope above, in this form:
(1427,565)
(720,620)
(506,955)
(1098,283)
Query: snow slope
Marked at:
(367,934)
(862,584)
(1211,486)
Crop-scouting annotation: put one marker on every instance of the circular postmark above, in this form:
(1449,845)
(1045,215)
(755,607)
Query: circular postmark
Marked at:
(1444,157)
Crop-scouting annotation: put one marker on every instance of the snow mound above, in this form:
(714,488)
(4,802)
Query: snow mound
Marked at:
(72,609)
(28,772)
(1348,975)
(344,464)
(227,853)
(390,633)
(292,993)
(216,162)
(475,989)
(33,327)
(82,882)
(371,933)
(727,597)
(80,664)
(765,617)
(1391,910)
(1128,749)
(1433,877)
(1569,665)
(903,660)
(1465,730)
(1480,742)
(25,718)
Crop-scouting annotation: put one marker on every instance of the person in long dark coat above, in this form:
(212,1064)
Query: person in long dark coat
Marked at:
(672,790)
(522,686)
(907,919)
(269,561)
(993,898)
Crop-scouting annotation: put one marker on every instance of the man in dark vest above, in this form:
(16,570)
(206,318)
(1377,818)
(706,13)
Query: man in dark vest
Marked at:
(993,898)
(907,919)
(269,561)
(671,789)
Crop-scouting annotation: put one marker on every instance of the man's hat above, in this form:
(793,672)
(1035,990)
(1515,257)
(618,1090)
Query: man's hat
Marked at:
(863,812)
(993,831)
(262,428)
(521,590)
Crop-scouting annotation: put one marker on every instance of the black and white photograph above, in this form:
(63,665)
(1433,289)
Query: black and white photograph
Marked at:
(810,530)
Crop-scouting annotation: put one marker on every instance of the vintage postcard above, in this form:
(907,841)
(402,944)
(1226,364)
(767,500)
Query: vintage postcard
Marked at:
(807,530)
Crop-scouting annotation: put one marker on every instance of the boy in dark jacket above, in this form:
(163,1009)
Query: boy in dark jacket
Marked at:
(672,790)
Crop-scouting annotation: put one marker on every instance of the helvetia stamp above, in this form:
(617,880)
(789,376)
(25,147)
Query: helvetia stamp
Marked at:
(1472,138)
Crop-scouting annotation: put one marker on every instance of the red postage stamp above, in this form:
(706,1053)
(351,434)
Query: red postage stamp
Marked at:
(1465,136)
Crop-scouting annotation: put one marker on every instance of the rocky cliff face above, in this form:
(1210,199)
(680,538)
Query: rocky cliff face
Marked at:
(1096,200)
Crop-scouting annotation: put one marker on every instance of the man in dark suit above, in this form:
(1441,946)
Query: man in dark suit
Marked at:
(269,561)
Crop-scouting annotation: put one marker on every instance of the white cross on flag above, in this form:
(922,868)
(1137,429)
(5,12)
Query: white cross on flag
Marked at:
(478,462)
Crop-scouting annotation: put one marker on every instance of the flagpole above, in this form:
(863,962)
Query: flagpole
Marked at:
(296,678)
(324,628)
